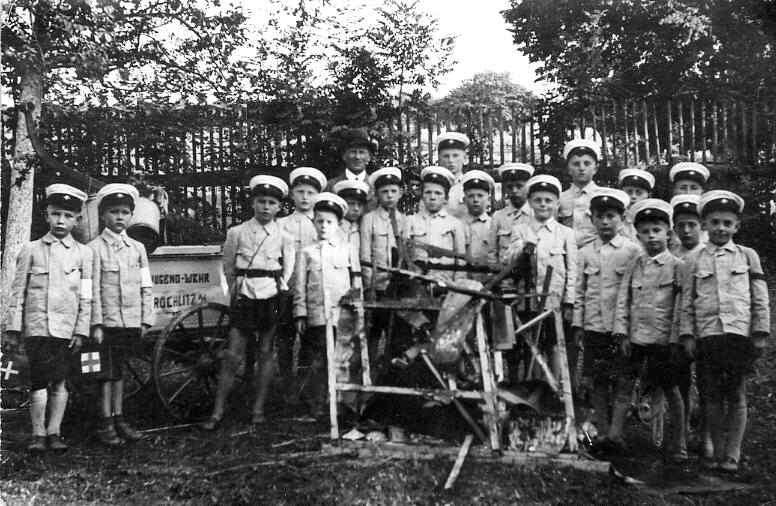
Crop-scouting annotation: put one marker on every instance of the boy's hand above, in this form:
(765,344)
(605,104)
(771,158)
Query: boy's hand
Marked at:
(301,325)
(11,341)
(568,311)
(758,342)
(75,342)
(625,345)
(282,286)
(97,334)
(144,330)
(688,342)
(579,334)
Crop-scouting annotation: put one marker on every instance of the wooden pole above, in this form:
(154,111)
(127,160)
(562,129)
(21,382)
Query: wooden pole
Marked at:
(332,374)
(565,377)
(488,385)
(467,443)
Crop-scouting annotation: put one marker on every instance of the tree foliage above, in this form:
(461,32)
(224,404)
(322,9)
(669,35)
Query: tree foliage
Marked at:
(625,48)
(493,92)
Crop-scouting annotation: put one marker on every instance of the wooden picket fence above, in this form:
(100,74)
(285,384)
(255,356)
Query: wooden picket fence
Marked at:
(204,156)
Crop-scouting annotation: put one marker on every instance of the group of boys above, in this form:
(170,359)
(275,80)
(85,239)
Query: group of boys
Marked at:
(638,280)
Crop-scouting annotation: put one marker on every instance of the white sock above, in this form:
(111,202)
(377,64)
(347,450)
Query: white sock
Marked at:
(58,403)
(38,400)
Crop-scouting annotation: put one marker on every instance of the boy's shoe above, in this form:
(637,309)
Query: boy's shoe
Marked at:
(106,434)
(730,465)
(210,424)
(124,430)
(37,444)
(679,456)
(709,463)
(56,443)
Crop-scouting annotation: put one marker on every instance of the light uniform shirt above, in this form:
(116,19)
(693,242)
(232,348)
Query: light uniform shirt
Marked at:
(351,233)
(648,300)
(323,277)
(479,243)
(377,241)
(599,275)
(300,227)
(555,246)
(122,282)
(51,294)
(628,228)
(442,230)
(501,227)
(252,245)
(724,292)
(575,206)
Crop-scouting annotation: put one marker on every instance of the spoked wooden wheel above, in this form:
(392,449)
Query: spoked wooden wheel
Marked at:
(186,360)
(137,372)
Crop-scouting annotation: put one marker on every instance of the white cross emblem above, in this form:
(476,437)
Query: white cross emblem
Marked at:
(90,362)
(8,370)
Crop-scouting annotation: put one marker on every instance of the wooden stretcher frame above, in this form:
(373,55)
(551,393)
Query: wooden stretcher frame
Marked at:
(493,407)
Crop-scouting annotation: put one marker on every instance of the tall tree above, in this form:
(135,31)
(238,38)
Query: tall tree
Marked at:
(651,47)
(106,52)
(493,92)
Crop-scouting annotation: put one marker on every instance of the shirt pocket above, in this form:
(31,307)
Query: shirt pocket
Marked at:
(271,252)
(705,284)
(739,280)
(38,279)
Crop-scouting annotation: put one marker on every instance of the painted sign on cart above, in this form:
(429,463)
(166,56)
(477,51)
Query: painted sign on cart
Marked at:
(184,276)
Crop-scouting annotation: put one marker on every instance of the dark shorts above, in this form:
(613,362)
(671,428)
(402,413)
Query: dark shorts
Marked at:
(726,354)
(49,360)
(600,355)
(652,362)
(254,314)
(117,345)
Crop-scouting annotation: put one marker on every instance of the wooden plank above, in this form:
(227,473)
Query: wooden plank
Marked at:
(419,138)
(645,114)
(626,146)
(513,111)
(658,152)
(669,108)
(604,134)
(703,131)
(488,385)
(755,157)
(725,137)
(715,132)
(412,392)
(430,140)
(565,380)
(501,137)
(533,136)
(693,140)
(467,443)
(634,113)
(742,139)
(681,127)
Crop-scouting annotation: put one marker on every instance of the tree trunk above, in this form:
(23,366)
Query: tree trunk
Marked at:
(17,230)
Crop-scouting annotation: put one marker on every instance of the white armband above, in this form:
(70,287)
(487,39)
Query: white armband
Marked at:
(86,289)
(145,278)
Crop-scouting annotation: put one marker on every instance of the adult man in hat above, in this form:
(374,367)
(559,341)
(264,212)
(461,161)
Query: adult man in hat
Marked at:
(356,151)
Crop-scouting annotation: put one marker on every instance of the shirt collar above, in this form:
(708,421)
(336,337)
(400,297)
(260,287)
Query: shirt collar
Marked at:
(483,218)
(728,246)
(66,241)
(352,176)
(616,242)
(587,189)
(661,258)
(549,224)
(308,214)
(270,228)
(112,237)
(442,213)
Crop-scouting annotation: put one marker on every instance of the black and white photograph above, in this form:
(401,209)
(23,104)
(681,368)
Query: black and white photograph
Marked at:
(387,252)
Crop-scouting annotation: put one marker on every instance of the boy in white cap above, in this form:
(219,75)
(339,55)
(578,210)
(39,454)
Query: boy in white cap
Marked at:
(645,323)
(452,155)
(638,184)
(50,303)
(355,194)
(725,322)
(602,264)
(325,271)
(258,264)
(122,304)
(688,178)
(378,237)
(688,235)
(582,157)
(305,184)
(477,188)
(516,211)
(434,225)
(553,245)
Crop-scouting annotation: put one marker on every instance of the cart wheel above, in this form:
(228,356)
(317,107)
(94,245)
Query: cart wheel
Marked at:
(186,359)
